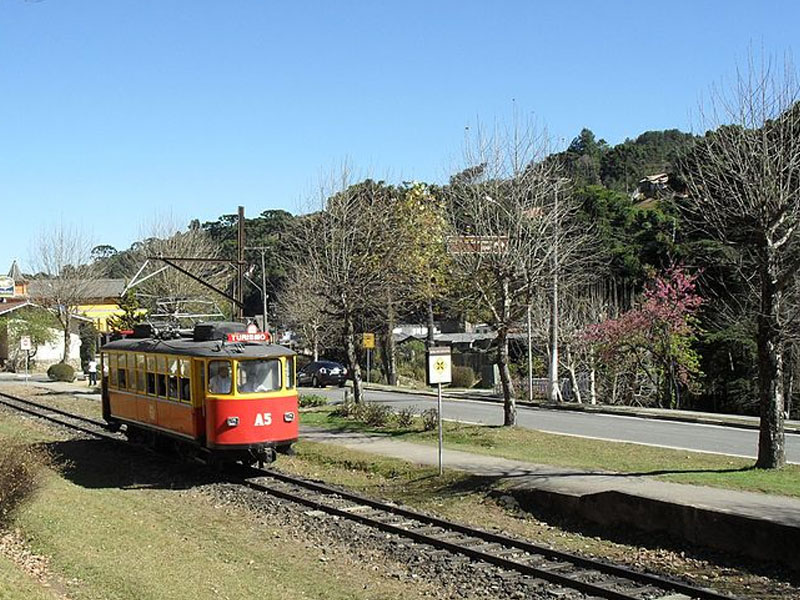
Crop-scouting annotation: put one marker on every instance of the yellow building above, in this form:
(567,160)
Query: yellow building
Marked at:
(100,302)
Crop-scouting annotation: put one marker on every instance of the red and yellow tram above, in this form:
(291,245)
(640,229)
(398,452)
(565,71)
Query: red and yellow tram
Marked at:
(220,399)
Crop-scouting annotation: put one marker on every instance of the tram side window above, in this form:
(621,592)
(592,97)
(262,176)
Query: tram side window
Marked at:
(173,387)
(259,376)
(151,374)
(185,381)
(186,390)
(172,380)
(161,380)
(161,376)
(140,373)
(219,377)
(290,372)
(112,369)
(122,371)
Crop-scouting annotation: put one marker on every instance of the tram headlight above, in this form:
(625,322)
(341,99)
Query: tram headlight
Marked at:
(288,417)
(232,421)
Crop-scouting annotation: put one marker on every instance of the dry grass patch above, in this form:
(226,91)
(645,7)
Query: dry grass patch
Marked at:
(16,584)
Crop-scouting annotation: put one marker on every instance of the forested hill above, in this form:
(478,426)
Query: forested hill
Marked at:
(591,161)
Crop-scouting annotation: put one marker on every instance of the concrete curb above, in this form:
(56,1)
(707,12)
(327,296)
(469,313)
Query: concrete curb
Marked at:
(722,420)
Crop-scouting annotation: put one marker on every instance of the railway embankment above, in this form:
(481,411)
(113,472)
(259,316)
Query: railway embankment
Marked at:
(760,526)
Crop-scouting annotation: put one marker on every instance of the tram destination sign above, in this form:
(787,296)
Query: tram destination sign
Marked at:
(244,336)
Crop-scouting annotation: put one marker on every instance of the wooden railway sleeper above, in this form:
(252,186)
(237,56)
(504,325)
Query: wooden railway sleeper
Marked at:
(428,530)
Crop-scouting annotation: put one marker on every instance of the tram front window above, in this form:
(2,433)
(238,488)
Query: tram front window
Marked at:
(219,377)
(259,376)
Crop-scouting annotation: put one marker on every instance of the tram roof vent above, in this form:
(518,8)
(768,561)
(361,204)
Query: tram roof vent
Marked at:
(216,330)
(143,330)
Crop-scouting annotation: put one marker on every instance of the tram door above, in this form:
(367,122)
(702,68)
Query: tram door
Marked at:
(199,397)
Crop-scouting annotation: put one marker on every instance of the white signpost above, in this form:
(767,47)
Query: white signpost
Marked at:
(25,344)
(439,372)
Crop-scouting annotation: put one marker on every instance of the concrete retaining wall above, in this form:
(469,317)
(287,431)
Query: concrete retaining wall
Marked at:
(755,538)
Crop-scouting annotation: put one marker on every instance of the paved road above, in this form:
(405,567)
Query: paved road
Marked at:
(690,436)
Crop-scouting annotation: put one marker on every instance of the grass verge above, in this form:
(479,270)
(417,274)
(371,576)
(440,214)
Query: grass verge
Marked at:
(110,530)
(516,443)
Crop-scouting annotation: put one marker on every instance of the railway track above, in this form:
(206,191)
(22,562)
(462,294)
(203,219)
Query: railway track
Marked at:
(570,573)
(60,417)
(595,579)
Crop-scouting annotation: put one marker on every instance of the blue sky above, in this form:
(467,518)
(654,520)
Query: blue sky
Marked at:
(112,112)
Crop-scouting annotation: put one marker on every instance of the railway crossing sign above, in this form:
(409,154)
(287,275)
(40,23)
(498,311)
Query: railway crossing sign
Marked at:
(439,362)
(439,365)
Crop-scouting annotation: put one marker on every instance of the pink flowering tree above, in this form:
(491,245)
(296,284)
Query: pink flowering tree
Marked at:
(653,342)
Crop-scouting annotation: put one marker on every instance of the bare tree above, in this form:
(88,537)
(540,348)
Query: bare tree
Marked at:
(65,276)
(503,219)
(304,309)
(744,183)
(343,249)
(582,304)
(169,291)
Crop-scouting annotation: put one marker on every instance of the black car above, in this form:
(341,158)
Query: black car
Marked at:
(321,373)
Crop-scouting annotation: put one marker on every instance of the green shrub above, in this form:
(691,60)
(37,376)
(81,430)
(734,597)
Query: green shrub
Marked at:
(405,417)
(311,400)
(463,377)
(376,415)
(20,470)
(430,419)
(346,409)
(61,372)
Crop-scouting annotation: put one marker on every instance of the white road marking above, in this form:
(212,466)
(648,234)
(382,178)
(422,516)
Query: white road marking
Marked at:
(681,448)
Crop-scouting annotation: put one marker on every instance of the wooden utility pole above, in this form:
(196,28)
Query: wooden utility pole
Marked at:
(240,266)
(263,250)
